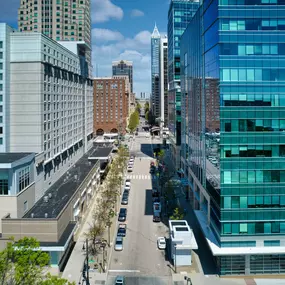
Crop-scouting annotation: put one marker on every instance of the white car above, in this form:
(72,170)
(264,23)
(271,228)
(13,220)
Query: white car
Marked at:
(119,244)
(128,182)
(161,243)
(131,162)
(130,168)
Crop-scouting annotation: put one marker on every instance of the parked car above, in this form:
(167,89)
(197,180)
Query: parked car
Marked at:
(122,230)
(120,280)
(161,243)
(119,244)
(128,182)
(156,218)
(125,199)
(155,193)
(122,215)
(156,199)
(130,168)
(127,189)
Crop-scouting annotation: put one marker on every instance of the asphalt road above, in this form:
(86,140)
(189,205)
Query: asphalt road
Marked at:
(140,261)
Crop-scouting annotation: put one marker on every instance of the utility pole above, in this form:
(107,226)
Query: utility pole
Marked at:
(87,263)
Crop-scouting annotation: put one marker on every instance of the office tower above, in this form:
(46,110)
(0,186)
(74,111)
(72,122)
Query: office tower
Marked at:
(237,175)
(155,85)
(51,103)
(5,32)
(163,76)
(60,20)
(123,67)
(180,14)
(111,105)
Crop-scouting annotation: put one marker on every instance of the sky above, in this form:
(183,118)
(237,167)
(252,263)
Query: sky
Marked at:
(121,29)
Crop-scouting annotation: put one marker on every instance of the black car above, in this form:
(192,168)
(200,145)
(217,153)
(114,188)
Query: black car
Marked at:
(122,215)
(156,199)
(125,199)
(122,230)
(156,218)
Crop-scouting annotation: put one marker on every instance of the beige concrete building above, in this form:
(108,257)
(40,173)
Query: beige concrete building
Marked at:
(60,20)
(55,217)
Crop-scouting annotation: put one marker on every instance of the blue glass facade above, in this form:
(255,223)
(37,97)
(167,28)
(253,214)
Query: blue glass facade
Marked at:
(179,15)
(233,144)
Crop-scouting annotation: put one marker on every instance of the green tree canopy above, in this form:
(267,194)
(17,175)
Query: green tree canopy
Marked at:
(177,214)
(134,121)
(146,115)
(23,263)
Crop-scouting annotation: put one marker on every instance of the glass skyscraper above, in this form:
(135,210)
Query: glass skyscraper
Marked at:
(233,143)
(123,67)
(179,15)
(155,82)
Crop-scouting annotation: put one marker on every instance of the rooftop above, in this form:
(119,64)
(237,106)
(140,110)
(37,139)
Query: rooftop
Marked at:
(10,157)
(101,153)
(63,239)
(63,189)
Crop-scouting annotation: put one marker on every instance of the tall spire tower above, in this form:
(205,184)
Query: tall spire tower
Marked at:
(155,82)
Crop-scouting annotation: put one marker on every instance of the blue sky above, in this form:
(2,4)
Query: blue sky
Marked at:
(121,29)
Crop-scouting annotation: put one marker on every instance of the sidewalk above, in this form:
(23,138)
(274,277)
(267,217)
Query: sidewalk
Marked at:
(74,266)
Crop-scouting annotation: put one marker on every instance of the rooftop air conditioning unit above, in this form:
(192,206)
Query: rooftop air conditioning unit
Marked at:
(46,199)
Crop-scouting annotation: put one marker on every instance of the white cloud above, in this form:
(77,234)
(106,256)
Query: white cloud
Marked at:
(137,13)
(136,49)
(143,37)
(105,35)
(105,10)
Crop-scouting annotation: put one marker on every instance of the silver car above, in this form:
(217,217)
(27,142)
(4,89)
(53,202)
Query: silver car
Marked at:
(120,280)
(119,244)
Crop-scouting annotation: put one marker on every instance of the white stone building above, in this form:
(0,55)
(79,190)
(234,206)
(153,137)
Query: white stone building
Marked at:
(50,110)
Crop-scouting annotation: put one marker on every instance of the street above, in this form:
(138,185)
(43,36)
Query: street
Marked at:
(140,261)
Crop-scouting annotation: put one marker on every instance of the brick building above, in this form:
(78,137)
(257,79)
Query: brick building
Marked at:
(111,105)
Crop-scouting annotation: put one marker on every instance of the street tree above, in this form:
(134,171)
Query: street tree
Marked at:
(138,108)
(178,214)
(23,263)
(146,107)
(134,121)
(95,231)
(146,115)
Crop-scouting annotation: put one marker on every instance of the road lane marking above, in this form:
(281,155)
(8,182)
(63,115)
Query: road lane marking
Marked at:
(118,270)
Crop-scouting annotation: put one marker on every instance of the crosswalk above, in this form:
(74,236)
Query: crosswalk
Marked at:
(142,176)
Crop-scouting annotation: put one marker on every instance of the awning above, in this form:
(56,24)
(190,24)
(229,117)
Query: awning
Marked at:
(76,203)
(83,199)
(76,212)
(83,192)
(48,161)
(55,156)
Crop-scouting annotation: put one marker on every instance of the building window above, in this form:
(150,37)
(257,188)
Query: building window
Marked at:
(25,206)
(1,44)
(24,178)
(3,186)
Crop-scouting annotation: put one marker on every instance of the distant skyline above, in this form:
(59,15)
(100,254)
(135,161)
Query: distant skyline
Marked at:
(121,29)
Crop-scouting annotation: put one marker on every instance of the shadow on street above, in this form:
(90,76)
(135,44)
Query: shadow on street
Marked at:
(146,149)
(148,203)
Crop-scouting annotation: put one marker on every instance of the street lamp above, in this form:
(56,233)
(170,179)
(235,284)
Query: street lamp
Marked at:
(188,279)
(175,266)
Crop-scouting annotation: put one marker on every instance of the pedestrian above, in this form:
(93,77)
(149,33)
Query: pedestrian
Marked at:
(83,247)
